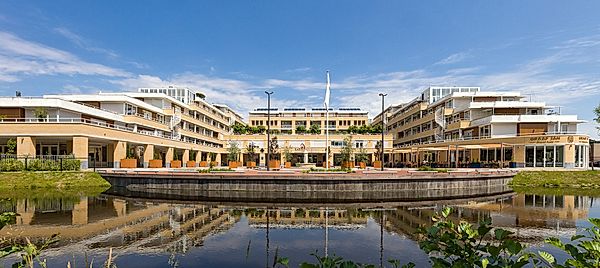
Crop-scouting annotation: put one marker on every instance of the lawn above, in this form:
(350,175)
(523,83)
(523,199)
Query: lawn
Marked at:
(557,179)
(50,180)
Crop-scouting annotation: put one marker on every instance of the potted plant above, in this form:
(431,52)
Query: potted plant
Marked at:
(274,145)
(251,155)
(190,162)
(156,162)
(377,162)
(41,114)
(213,159)
(287,155)
(232,154)
(130,161)
(362,157)
(346,153)
(175,163)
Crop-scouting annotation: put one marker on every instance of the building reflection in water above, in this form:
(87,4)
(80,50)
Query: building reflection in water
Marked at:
(142,226)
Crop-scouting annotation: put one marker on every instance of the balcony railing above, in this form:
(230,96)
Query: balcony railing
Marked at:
(487,137)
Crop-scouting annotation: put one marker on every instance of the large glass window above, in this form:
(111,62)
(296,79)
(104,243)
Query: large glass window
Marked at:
(529,156)
(549,156)
(539,156)
(559,156)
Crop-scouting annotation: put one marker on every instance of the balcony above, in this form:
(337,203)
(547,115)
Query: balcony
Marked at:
(525,118)
(460,124)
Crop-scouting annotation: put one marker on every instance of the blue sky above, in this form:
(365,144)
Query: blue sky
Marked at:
(234,50)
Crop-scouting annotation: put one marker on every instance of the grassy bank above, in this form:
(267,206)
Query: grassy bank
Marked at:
(17,181)
(557,179)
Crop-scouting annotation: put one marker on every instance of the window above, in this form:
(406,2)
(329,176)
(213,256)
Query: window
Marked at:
(130,109)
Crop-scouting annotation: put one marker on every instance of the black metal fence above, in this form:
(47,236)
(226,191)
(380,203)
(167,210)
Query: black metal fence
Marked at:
(11,162)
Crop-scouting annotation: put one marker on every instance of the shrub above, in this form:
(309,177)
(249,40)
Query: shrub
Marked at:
(11,165)
(428,168)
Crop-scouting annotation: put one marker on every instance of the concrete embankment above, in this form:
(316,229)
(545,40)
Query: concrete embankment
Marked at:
(295,186)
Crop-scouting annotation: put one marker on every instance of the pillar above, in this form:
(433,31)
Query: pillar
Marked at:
(25,146)
(198,157)
(169,157)
(148,154)
(218,159)
(186,157)
(262,159)
(80,150)
(305,157)
(80,212)
(518,155)
(569,156)
(119,152)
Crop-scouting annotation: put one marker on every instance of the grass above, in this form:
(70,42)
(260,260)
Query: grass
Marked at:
(313,169)
(428,168)
(215,170)
(557,179)
(61,181)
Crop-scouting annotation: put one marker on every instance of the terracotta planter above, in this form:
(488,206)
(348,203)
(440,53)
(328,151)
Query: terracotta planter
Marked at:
(176,164)
(347,164)
(128,163)
(250,164)
(274,164)
(362,165)
(325,165)
(377,164)
(288,164)
(203,164)
(190,164)
(233,164)
(155,163)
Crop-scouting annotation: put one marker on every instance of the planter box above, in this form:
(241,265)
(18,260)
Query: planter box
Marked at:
(250,164)
(377,164)
(288,164)
(155,163)
(176,164)
(325,165)
(190,164)
(233,164)
(274,164)
(362,165)
(347,164)
(203,164)
(128,163)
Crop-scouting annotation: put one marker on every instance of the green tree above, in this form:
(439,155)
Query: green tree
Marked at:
(347,150)
(597,119)
(233,151)
(375,129)
(287,154)
(11,146)
(239,129)
(362,155)
(315,129)
(300,129)
(250,150)
(353,129)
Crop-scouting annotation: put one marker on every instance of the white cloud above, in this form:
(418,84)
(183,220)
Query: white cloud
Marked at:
(19,56)
(454,58)
(83,43)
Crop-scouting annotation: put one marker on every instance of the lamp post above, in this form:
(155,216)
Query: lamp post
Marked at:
(382,128)
(268,127)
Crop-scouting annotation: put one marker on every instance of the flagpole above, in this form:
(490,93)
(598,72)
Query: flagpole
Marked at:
(327,94)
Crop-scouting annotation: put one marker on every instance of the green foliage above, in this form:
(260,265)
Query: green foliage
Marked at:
(10,164)
(428,168)
(339,262)
(251,151)
(315,129)
(212,156)
(566,179)
(287,154)
(313,169)
(11,146)
(597,118)
(584,250)
(347,150)
(239,128)
(211,169)
(53,165)
(233,151)
(362,155)
(193,155)
(7,218)
(50,180)
(40,113)
(130,154)
(301,129)
(460,244)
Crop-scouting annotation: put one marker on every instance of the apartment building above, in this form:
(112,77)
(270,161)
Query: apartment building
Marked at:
(156,123)
(454,126)
(289,120)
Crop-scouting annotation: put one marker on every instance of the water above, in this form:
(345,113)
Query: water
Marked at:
(148,233)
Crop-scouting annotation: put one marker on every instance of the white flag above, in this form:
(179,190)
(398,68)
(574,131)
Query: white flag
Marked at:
(327,93)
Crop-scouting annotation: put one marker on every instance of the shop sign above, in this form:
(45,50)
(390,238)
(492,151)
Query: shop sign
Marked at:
(545,139)
(583,139)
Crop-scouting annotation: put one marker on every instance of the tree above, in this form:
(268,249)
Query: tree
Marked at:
(250,151)
(287,154)
(11,146)
(233,151)
(353,129)
(239,129)
(315,129)
(40,113)
(362,155)
(347,150)
(375,129)
(300,129)
(597,119)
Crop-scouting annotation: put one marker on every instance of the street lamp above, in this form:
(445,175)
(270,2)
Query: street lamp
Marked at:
(382,127)
(268,127)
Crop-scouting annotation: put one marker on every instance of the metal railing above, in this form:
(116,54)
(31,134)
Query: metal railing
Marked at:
(11,162)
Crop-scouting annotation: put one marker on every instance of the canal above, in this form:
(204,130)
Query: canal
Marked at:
(145,232)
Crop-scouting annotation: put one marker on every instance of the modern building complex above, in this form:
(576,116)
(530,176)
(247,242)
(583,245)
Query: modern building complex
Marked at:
(462,126)
(444,126)
(292,120)
(163,123)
